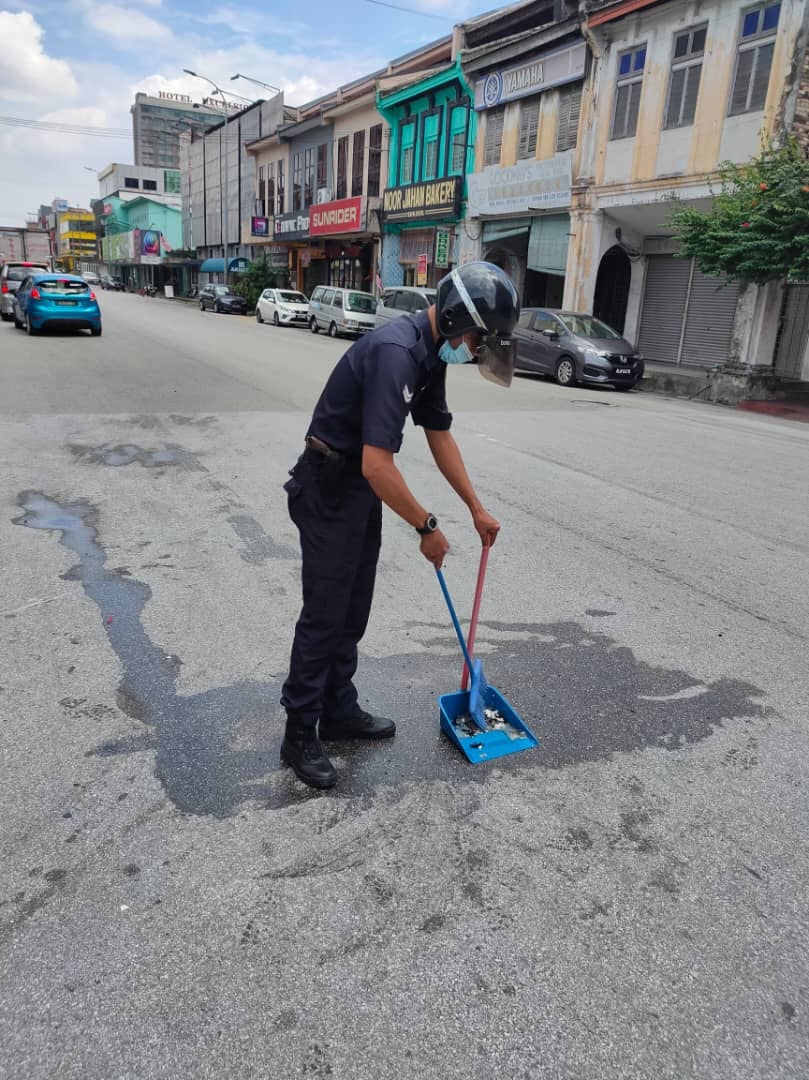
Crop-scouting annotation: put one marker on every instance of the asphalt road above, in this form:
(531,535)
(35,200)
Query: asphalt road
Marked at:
(629,900)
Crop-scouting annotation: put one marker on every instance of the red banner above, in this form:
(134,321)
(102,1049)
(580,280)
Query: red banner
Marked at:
(334,218)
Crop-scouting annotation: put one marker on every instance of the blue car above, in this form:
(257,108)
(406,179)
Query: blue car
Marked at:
(56,300)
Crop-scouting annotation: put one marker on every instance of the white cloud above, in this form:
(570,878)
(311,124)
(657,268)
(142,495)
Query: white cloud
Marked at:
(124,25)
(27,73)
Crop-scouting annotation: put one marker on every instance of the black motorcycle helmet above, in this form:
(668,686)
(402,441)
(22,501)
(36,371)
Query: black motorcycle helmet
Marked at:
(481,296)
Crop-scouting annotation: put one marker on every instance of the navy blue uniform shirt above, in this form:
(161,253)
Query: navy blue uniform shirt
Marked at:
(392,371)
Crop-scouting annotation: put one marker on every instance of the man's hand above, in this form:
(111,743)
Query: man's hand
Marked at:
(434,547)
(487,526)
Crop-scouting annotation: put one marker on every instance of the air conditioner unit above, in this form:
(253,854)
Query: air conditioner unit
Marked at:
(324,195)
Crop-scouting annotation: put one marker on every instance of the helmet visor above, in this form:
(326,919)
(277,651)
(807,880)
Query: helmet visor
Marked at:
(496,358)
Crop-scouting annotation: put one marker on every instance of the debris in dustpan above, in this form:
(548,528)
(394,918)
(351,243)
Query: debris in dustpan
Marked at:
(466,726)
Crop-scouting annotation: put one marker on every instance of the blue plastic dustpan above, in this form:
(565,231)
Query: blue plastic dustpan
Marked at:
(463,719)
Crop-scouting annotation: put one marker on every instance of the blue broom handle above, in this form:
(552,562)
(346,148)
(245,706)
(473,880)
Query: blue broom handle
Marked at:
(455,622)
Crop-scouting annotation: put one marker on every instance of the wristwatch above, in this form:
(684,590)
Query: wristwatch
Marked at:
(429,526)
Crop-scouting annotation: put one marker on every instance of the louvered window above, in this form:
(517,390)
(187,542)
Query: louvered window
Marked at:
(754,60)
(529,126)
(569,108)
(686,71)
(493,142)
(627,92)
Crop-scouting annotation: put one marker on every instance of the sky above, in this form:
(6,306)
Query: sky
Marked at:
(83,62)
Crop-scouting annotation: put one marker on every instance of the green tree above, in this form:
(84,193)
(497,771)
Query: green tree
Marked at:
(758,228)
(256,278)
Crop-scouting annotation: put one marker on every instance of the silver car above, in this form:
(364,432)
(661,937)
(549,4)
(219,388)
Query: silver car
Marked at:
(402,300)
(12,276)
(575,348)
(283,307)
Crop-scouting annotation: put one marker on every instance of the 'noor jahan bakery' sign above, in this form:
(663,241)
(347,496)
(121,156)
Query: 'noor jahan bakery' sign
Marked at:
(413,202)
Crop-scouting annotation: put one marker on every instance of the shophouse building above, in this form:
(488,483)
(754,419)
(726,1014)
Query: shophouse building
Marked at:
(675,88)
(526,65)
(432,133)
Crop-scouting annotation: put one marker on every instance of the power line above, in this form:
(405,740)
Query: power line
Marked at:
(410,11)
(63,128)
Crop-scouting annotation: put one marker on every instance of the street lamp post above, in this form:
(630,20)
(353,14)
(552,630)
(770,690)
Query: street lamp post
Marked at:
(258,82)
(224,191)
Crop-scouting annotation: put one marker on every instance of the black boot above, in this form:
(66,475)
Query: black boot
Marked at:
(302,752)
(361,726)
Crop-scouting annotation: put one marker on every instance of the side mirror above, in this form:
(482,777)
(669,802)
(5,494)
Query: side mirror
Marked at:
(551,334)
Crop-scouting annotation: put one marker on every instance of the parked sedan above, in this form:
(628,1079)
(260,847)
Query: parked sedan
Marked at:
(575,348)
(56,300)
(283,307)
(402,300)
(221,298)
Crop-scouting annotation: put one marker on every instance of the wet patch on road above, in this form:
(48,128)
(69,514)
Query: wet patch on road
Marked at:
(584,696)
(129,454)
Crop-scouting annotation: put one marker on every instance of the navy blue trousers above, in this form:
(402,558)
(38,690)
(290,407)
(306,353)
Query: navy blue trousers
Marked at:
(339,519)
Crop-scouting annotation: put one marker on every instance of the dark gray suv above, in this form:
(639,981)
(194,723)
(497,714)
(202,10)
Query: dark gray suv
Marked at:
(575,348)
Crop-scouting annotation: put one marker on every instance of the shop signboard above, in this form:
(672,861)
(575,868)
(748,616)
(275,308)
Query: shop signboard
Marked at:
(531,76)
(421,269)
(518,189)
(259,226)
(335,218)
(294,226)
(442,248)
(414,202)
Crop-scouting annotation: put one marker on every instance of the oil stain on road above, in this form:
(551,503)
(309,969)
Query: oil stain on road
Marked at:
(584,696)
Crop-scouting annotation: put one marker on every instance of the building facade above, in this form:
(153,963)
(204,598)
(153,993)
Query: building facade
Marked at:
(674,89)
(432,133)
(219,186)
(158,122)
(76,240)
(527,93)
(135,180)
(140,236)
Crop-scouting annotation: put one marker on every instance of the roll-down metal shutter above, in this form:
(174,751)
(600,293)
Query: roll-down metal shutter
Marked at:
(661,323)
(686,317)
(709,320)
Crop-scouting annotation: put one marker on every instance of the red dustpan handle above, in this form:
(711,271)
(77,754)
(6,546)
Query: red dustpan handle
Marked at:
(470,640)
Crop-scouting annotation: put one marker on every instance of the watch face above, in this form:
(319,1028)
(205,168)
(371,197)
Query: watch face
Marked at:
(432,523)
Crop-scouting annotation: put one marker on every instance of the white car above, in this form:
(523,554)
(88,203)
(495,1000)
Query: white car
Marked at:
(90,278)
(285,307)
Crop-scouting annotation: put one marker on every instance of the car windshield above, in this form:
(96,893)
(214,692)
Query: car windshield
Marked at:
(223,290)
(61,285)
(587,326)
(292,297)
(361,301)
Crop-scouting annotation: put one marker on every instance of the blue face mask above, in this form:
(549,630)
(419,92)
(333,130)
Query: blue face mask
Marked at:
(462,354)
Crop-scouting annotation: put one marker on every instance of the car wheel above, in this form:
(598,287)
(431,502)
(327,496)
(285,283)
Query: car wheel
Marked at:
(6,318)
(28,327)
(275,319)
(259,317)
(566,371)
(95,331)
(202,305)
(333,330)
(17,322)
(313,325)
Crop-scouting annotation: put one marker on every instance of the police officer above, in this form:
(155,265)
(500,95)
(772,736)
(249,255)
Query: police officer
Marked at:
(347,470)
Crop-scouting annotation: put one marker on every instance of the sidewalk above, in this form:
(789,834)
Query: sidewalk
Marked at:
(752,392)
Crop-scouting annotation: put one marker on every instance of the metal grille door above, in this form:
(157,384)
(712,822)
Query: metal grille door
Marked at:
(794,333)
(709,320)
